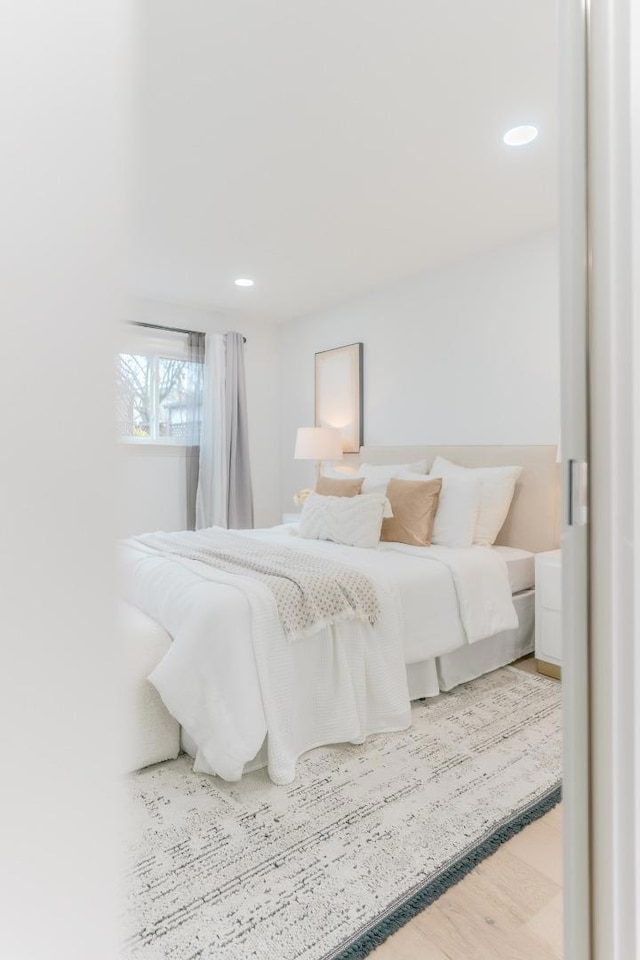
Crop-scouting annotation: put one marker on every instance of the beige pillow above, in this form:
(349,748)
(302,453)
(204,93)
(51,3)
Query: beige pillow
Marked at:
(414,504)
(349,487)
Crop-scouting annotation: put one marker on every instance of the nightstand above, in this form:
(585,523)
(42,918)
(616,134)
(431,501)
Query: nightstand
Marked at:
(549,612)
(290,517)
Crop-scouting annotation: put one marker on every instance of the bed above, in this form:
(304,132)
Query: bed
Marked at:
(243,704)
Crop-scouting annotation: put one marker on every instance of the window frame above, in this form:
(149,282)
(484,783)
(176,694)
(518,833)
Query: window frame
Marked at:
(155,345)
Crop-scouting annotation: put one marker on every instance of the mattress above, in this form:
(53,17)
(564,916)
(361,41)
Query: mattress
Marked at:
(521,567)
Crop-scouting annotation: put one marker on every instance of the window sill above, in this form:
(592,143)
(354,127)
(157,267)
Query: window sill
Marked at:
(144,449)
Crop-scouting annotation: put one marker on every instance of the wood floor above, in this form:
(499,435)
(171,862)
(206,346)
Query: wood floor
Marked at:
(509,908)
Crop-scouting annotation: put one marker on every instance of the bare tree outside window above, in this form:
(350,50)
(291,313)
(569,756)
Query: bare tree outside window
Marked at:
(154,395)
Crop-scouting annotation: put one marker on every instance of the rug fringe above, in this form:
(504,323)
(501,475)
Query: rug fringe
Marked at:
(434,889)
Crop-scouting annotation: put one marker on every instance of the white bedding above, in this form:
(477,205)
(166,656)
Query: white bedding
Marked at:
(448,596)
(230,677)
(521,567)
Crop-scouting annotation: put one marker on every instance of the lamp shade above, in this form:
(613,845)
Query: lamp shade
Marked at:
(318,443)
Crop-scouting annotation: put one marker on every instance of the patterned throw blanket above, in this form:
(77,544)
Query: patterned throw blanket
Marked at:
(310,592)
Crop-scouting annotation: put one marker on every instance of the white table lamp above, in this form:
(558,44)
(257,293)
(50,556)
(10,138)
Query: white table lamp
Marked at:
(318,443)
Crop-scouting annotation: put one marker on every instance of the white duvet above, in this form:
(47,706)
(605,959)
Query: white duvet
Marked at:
(232,679)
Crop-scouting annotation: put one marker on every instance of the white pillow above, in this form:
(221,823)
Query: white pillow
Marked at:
(496,493)
(458,508)
(339,472)
(355,521)
(377,476)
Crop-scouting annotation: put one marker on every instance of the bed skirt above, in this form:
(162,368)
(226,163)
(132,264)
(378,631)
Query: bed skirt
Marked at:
(428,678)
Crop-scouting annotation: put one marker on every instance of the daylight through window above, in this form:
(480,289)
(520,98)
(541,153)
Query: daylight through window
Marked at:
(159,391)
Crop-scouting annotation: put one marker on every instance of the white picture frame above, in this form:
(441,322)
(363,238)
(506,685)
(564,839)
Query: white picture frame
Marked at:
(339,393)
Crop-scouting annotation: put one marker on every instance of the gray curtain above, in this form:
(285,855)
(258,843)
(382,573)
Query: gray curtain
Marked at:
(240,495)
(193,421)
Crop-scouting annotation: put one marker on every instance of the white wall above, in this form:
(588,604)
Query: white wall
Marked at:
(153,477)
(463,355)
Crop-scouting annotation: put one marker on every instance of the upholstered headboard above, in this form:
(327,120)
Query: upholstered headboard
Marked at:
(533,522)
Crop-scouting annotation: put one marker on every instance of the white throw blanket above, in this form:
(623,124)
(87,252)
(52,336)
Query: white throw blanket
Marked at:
(231,677)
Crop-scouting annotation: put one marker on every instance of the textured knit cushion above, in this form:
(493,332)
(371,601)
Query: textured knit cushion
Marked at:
(149,733)
(330,487)
(355,521)
(414,504)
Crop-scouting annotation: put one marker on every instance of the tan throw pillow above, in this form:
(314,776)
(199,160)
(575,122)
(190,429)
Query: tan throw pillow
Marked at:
(414,504)
(328,487)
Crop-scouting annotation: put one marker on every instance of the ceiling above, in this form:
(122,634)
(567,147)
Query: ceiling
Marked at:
(327,148)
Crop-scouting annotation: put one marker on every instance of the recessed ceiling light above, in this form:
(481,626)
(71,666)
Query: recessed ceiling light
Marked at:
(519,136)
(243,282)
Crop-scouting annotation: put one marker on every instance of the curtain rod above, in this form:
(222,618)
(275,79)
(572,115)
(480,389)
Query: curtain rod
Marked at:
(158,326)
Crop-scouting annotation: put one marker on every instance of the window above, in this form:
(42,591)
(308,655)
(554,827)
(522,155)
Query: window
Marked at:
(159,390)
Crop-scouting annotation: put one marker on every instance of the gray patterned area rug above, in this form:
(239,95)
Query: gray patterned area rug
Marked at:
(327,867)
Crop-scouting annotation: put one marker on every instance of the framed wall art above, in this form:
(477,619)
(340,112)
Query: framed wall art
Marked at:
(339,393)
